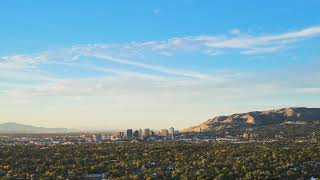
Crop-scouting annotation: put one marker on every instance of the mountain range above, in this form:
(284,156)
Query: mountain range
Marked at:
(296,115)
(12,127)
(291,115)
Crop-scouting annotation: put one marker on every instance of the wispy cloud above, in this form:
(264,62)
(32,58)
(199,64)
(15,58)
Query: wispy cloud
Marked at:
(115,71)
(223,86)
(214,45)
(126,53)
(235,31)
(148,66)
(31,66)
(264,43)
(70,56)
(243,42)
(22,61)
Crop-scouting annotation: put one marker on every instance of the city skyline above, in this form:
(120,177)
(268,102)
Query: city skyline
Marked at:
(154,64)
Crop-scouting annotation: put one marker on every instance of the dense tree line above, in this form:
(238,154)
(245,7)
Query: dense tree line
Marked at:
(165,160)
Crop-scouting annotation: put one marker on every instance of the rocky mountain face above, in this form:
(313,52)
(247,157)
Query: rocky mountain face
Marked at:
(277,116)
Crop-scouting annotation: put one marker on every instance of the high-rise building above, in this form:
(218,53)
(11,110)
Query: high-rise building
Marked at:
(120,134)
(136,134)
(164,132)
(146,132)
(97,137)
(171,132)
(129,133)
(140,134)
(152,133)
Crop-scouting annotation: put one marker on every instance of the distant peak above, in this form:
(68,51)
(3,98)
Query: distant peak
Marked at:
(13,127)
(11,123)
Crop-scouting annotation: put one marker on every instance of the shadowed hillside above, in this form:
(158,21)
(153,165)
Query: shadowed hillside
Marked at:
(278,116)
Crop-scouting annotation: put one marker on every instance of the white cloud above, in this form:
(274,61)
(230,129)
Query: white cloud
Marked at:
(311,90)
(29,66)
(115,71)
(71,56)
(235,31)
(136,83)
(220,88)
(213,52)
(243,42)
(148,66)
(21,61)
(264,43)
(105,99)
(202,44)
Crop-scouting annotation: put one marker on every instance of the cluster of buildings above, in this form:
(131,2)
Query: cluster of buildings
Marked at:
(131,134)
(141,134)
(240,136)
(128,135)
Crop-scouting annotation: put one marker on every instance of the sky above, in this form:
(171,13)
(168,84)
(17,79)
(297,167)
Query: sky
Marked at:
(154,64)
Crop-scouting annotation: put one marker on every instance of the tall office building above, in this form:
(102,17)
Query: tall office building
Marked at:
(152,133)
(136,134)
(119,135)
(140,134)
(146,132)
(129,133)
(171,132)
(97,137)
(164,132)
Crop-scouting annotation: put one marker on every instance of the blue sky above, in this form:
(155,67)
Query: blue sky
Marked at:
(154,64)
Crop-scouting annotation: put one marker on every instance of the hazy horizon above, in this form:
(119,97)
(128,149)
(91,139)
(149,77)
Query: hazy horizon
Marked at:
(161,64)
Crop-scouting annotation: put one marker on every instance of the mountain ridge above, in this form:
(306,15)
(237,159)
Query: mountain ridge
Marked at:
(13,127)
(275,116)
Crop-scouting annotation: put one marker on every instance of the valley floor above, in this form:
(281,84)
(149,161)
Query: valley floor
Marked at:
(162,160)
